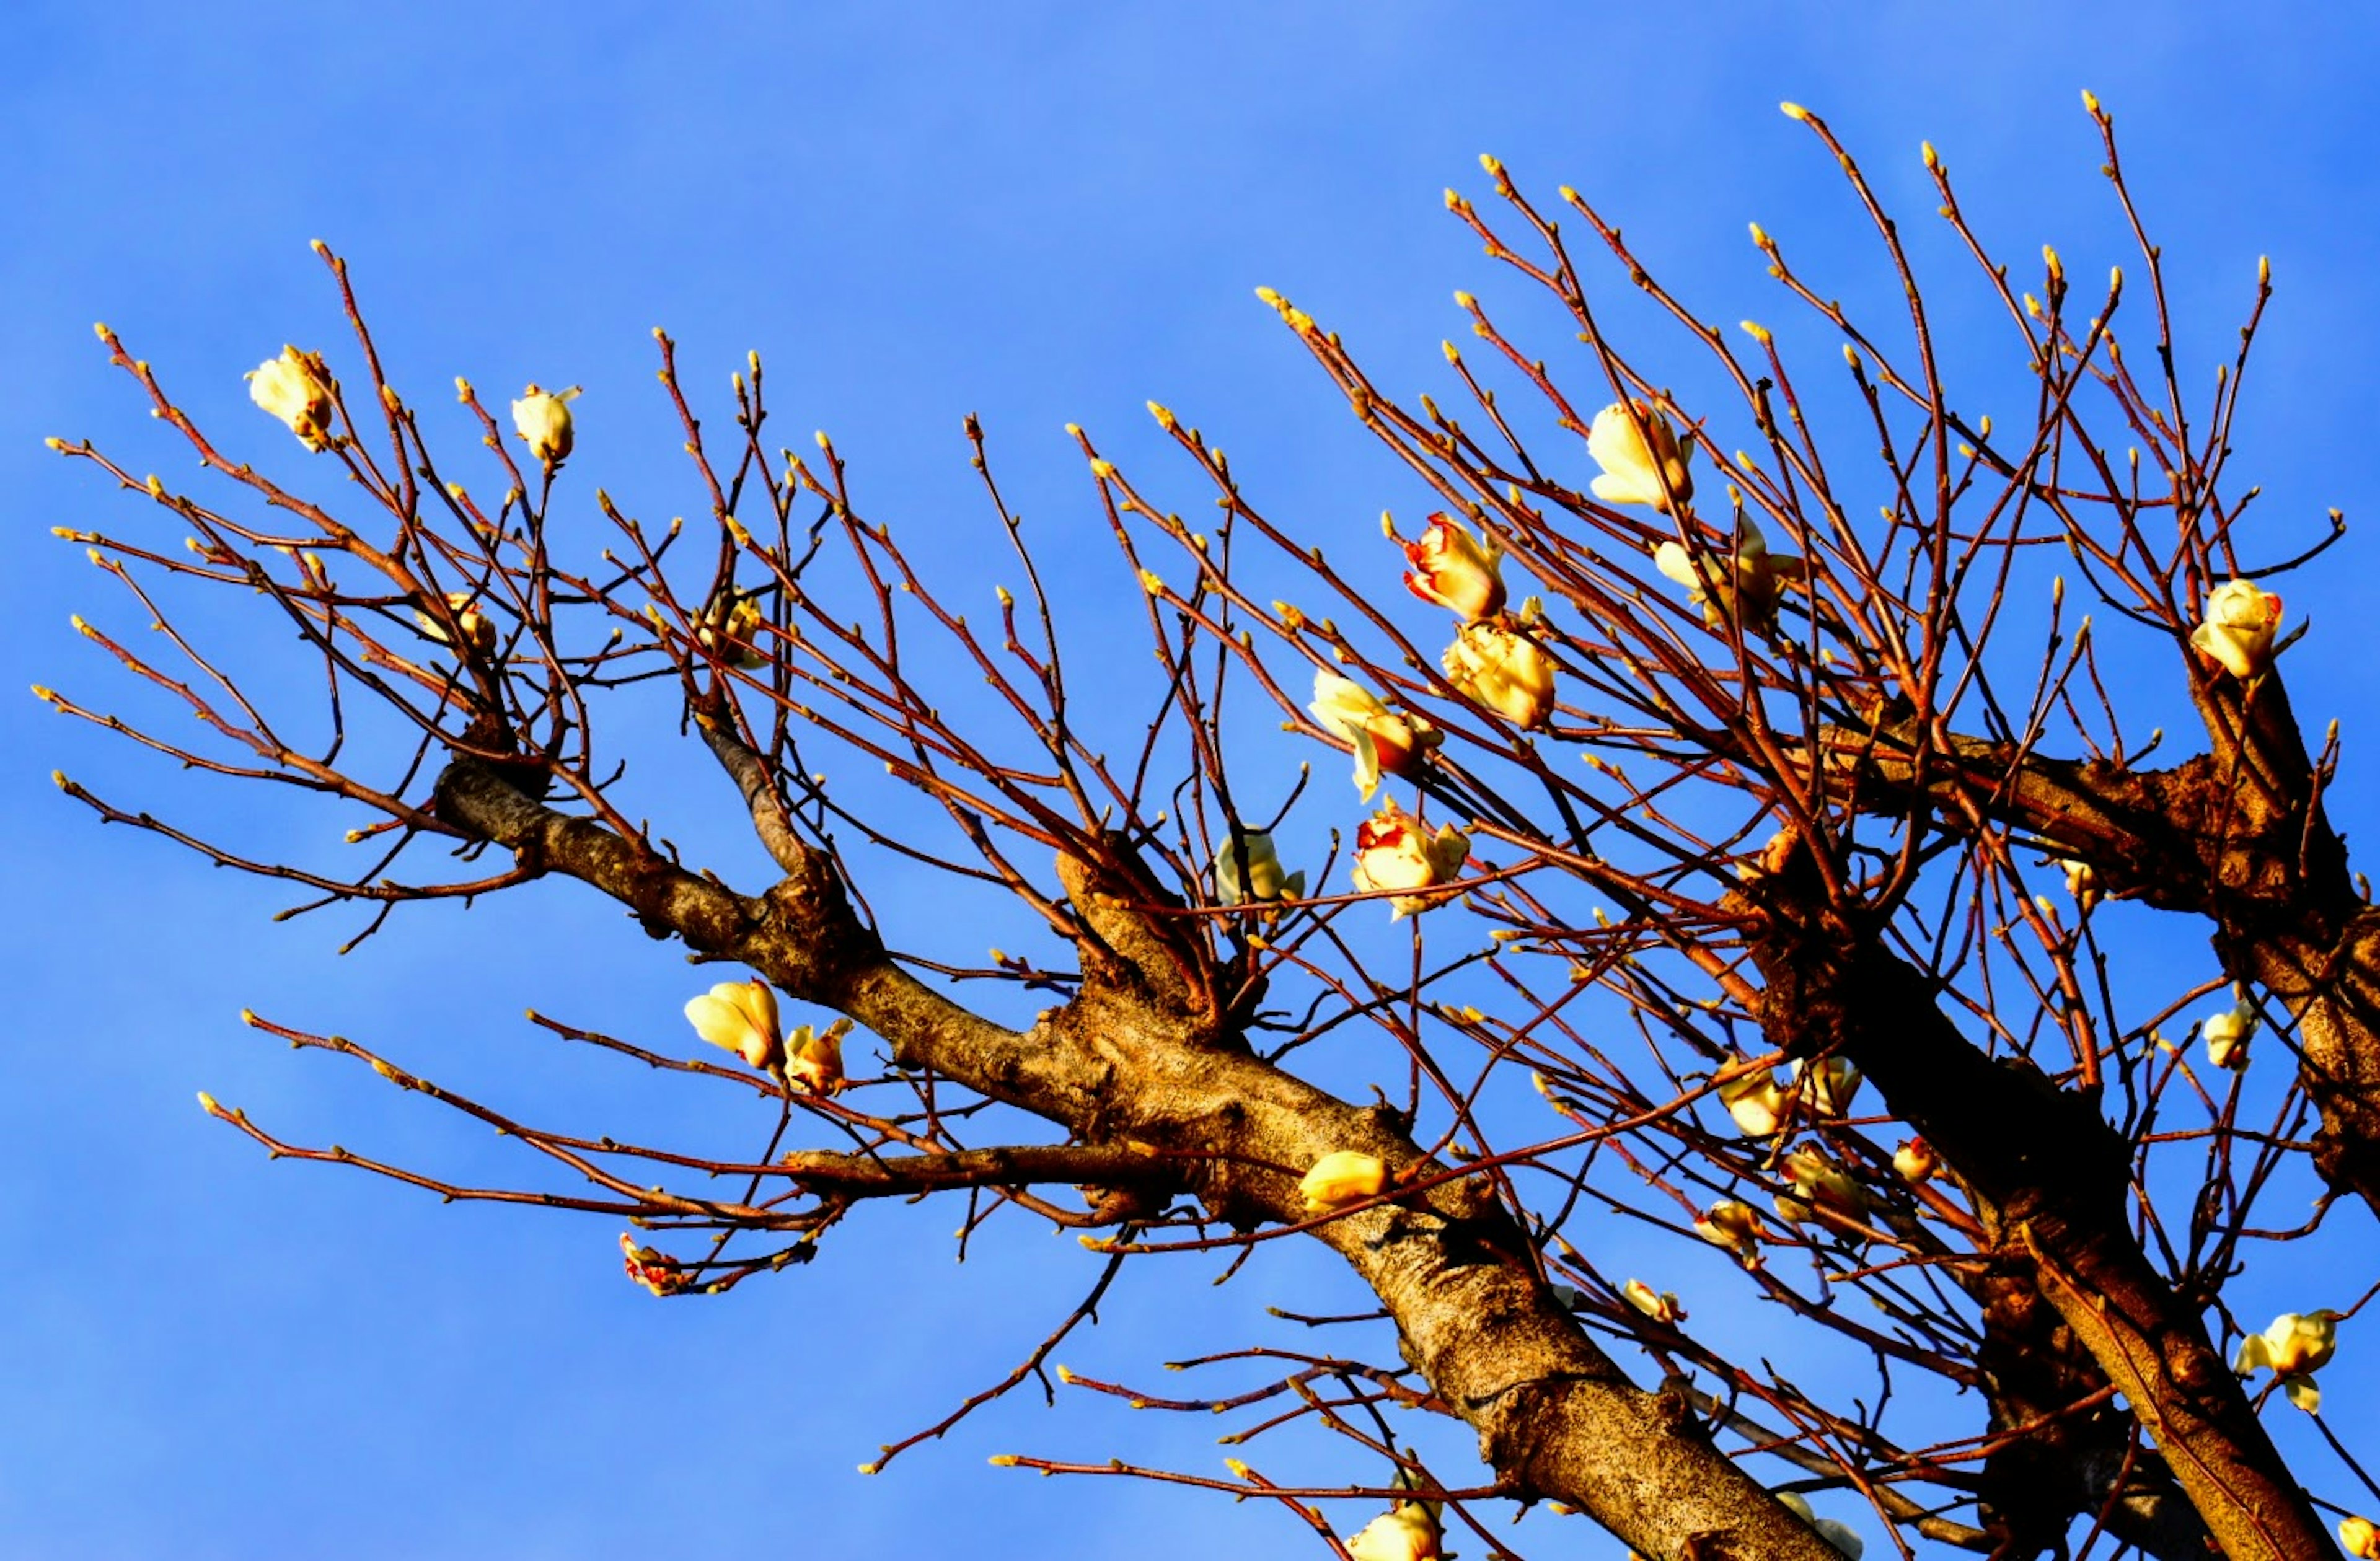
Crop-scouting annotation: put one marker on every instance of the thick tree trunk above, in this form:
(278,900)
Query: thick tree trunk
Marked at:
(2049,1178)
(1141,1055)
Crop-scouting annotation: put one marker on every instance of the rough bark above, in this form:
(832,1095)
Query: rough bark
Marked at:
(2238,835)
(1144,1052)
(2048,1179)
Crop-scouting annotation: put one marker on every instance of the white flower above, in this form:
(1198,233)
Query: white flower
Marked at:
(742,1016)
(1381,740)
(1756,1103)
(296,388)
(1341,1177)
(815,1061)
(1410,1533)
(2082,882)
(1501,669)
(1637,454)
(1455,572)
(1660,1305)
(1760,578)
(2360,1538)
(1839,1535)
(1819,1183)
(2227,1036)
(1733,1225)
(479,631)
(1392,853)
(1916,1161)
(542,418)
(2238,632)
(1829,1086)
(1265,880)
(2293,1349)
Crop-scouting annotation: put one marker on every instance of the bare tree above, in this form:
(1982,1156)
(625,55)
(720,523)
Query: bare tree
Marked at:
(1714,887)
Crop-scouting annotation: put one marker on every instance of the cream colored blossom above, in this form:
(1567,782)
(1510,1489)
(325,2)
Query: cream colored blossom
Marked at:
(296,388)
(1392,851)
(652,1268)
(478,630)
(1341,1177)
(1826,1087)
(1916,1161)
(1839,1535)
(1733,1225)
(1660,1305)
(815,1061)
(2295,1346)
(1264,879)
(1382,741)
(740,1016)
(1757,1102)
(2360,1538)
(1643,462)
(1454,571)
(736,639)
(1760,578)
(2237,633)
(2082,882)
(2227,1034)
(542,418)
(1501,668)
(1817,1183)
(1409,1533)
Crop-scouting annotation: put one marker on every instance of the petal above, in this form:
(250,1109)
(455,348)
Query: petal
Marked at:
(1614,489)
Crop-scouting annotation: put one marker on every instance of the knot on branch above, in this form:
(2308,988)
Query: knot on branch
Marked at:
(810,941)
(1143,968)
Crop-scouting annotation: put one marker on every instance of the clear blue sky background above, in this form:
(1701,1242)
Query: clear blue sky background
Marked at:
(1037,212)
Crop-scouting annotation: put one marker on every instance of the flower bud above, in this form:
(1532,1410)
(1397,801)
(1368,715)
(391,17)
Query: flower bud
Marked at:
(1458,573)
(1826,1087)
(2082,882)
(815,1061)
(1733,1225)
(1642,460)
(2237,633)
(1392,853)
(1755,1102)
(296,388)
(1409,1533)
(2359,1538)
(542,419)
(1341,1177)
(1660,1305)
(479,631)
(2227,1036)
(1751,584)
(1265,880)
(741,1017)
(1915,1161)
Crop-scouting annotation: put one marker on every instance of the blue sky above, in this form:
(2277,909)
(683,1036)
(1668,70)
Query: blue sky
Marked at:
(1038,213)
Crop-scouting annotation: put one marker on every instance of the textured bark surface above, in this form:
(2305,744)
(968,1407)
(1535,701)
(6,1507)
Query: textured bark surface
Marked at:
(1145,1054)
(2049,1178)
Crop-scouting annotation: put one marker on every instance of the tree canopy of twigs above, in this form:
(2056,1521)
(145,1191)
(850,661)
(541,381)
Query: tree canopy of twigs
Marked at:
(1737,806)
